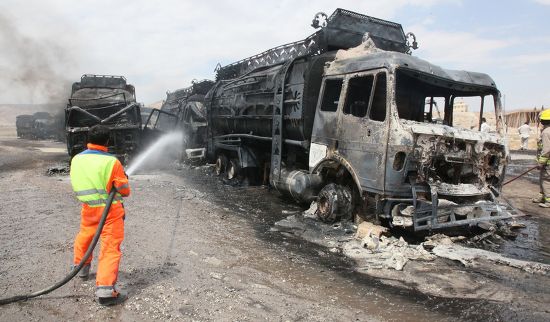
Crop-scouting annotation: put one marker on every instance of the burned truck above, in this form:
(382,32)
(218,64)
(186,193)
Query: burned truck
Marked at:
(43,126)
(341,117)
(183,110)
(107,100)
(38,126)
(23,124)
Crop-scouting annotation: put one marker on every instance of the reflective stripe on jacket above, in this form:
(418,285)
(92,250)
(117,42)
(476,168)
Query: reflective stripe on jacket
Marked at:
(93,173)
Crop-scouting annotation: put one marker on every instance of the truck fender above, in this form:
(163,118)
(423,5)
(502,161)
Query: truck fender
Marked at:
(333,162)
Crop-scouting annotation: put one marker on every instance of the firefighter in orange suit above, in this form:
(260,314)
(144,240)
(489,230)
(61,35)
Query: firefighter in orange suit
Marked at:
(93,173)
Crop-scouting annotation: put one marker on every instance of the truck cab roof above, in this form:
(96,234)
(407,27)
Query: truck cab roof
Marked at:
(358,59)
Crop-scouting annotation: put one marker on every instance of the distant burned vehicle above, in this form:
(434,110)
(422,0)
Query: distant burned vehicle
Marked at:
(38,126)
(341,117)
(183,110)
(43,126)
(107,100)
(23,124)
(58,127)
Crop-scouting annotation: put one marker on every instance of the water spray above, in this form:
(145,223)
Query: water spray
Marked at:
(157,148)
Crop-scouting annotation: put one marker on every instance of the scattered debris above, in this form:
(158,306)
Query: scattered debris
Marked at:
(440,239)
(469,256)
(372,248)
(60,169)
(489,226)
(367,229)
(367,245)
(516,225)
(384,253)
(481,237)
(494,233)
(311,211)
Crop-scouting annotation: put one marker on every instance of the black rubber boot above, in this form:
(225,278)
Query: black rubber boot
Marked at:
(110,301)
(84,272)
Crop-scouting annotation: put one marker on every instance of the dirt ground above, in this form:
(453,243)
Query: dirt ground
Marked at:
(197,249)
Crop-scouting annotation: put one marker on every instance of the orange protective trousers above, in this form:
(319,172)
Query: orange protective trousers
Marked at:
(111,238)
(113,231)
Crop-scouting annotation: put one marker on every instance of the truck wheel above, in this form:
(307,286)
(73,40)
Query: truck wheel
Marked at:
(221,164)
(333,203)
(233,169)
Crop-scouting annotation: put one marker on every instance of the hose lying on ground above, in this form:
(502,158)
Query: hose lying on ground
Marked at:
(76,269)
(521,175)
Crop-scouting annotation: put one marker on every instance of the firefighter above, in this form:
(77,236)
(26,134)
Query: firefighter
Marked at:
(543,159)
(93,174)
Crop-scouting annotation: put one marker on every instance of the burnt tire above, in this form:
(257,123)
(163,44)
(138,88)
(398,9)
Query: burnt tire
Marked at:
(334,202)
(233,169)
(221,165)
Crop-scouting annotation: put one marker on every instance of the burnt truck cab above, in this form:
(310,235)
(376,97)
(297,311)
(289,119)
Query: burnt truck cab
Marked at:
(106,100)
(183,111)
(387,118)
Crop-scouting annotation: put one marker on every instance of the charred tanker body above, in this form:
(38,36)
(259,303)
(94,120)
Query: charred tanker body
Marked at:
(183,110)
(107,100)
(341,117)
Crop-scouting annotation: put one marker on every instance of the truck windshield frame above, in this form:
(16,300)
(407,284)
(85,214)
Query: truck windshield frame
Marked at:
(424,98)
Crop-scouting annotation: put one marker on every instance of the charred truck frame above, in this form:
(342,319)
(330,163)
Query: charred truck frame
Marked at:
(107,100)
(39,126)
(183,110)
(347,117)
(23,125)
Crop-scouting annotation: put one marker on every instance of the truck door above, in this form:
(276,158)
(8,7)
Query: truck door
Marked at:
(363,127)
(325,128)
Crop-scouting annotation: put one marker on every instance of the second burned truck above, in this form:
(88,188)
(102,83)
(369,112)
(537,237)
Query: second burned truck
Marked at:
(348,116)
(107,100)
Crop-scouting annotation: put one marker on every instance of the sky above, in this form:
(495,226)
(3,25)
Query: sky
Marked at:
(163,45)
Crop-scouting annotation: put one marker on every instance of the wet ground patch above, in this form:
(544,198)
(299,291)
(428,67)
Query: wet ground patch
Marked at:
(435,285)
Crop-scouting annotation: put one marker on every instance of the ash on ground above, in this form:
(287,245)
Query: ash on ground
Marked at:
(373,247)
(59,169)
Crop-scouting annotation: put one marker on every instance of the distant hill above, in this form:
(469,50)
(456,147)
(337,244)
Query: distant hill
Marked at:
(156,105)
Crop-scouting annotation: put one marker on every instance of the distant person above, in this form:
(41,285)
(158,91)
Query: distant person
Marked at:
(484,126)
(543,156)
(524,133)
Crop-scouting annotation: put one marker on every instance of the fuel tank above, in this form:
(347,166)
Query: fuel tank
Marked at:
(245,105)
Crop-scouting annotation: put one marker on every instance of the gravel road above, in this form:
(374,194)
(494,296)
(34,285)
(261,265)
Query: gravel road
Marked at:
(196,249)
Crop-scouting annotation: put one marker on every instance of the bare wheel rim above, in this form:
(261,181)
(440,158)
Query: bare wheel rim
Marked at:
(231,171)
(219,166)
